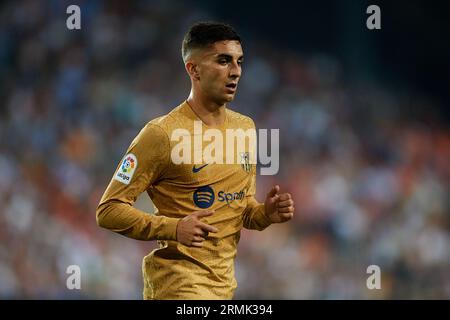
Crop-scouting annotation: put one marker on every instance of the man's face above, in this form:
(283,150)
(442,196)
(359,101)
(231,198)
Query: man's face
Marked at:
(219,70)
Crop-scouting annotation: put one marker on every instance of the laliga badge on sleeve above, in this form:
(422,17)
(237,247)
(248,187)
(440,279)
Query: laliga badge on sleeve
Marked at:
(126,169)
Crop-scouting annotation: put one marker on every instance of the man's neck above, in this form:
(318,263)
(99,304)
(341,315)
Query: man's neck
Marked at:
(212,114)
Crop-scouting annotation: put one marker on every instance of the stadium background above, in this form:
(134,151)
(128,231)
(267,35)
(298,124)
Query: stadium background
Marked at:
(365,143)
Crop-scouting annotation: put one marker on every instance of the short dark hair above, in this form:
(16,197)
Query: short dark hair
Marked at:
(204,34)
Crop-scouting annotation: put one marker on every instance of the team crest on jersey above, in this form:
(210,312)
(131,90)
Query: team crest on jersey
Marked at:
(245,161)
(126,169)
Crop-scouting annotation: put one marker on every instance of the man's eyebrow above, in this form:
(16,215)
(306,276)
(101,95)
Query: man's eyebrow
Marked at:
(228,56)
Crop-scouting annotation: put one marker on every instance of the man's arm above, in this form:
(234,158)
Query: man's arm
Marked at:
(144,162)
(254,216)
(277,208)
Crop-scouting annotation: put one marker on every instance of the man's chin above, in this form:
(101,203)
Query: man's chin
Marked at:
(225,99)
(229,97)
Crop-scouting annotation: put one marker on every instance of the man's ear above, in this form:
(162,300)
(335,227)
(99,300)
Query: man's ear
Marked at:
(192,70)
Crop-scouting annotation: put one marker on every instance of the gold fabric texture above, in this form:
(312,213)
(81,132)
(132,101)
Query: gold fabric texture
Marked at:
(176,271)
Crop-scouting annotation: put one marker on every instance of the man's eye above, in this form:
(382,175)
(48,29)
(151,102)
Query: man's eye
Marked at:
(223,61)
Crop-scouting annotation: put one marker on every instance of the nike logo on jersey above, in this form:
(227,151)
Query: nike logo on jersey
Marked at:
(195,170)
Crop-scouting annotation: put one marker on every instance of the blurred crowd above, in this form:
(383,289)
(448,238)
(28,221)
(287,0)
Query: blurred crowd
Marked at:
(370,180)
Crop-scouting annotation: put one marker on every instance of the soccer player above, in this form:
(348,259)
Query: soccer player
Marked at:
(200,207)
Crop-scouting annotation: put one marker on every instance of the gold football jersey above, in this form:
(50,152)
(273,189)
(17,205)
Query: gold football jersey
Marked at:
(176,271)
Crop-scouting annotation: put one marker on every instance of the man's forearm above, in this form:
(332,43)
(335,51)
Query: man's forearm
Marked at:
(254,216)
(124,219)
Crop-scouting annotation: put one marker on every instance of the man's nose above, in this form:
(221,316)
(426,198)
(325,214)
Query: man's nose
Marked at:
(235,70)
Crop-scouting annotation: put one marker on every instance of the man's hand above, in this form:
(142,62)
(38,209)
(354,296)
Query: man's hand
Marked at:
(191,231)
(279,207)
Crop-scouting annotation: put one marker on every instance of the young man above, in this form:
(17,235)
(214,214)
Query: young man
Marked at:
(195,259)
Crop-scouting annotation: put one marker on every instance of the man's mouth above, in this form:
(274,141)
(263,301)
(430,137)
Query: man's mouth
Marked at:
(231,85)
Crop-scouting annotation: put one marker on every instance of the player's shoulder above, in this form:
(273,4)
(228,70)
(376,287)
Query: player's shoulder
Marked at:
(166,122)
(150,133)
(239,118)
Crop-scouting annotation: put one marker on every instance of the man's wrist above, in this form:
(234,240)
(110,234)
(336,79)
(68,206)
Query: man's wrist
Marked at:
(262,215)
(168,229)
